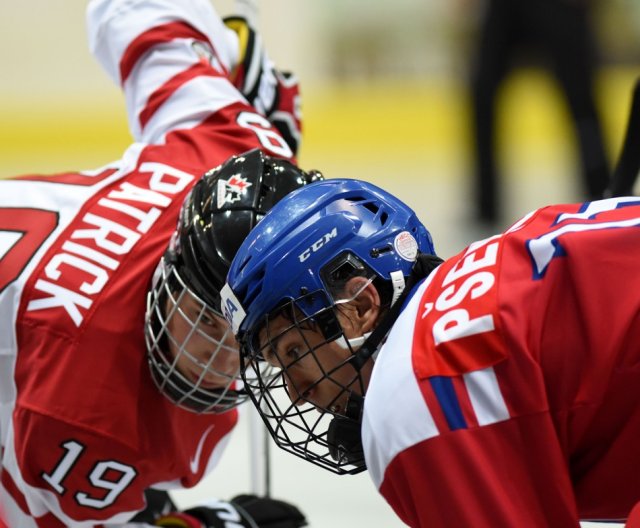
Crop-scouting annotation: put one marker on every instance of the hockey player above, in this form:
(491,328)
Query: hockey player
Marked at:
(499,388)
(85,431)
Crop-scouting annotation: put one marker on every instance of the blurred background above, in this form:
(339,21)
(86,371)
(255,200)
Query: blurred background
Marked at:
(386,98)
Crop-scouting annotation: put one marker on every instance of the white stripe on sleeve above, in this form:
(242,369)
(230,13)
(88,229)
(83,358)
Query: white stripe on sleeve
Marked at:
(189,106)
(113,24)
(486,397)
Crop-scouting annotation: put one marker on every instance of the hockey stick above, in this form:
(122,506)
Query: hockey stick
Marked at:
(628,165)
(259,458)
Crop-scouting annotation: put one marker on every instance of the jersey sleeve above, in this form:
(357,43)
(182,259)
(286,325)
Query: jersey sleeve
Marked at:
(171,59)
(510,473)
(446,451)
(505,393)
(454,446)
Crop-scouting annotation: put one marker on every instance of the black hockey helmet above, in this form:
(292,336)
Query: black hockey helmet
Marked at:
(217,215)
(221,210)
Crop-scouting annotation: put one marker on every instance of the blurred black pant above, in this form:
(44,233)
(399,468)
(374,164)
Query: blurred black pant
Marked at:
(559,30)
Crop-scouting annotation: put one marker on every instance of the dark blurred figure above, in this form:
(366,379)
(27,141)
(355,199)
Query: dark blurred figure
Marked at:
(560,32)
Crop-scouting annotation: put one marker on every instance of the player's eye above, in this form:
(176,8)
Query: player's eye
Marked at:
(293,354)
(208,320)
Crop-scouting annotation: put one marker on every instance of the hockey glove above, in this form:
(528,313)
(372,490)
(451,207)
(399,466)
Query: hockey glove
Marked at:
(270,513)
(248,511)
(158,503)
(274,94)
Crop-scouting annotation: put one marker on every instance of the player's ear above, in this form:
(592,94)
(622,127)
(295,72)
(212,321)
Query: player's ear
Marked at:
(366,303)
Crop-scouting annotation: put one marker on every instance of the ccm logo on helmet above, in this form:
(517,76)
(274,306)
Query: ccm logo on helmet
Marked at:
(318,244)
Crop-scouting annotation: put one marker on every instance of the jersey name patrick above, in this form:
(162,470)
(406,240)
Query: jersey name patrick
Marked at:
(97,241)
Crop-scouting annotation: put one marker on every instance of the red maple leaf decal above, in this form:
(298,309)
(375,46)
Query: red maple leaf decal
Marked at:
(239,183)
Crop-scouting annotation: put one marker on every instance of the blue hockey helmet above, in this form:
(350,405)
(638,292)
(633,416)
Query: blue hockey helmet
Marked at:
(296,264)
(298,246)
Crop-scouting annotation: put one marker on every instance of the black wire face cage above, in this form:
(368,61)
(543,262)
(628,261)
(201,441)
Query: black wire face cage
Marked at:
(178,328)
(312,385)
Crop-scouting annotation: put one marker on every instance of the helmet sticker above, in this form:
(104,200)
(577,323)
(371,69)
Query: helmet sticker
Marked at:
(406,246)
(231,308)
(231,190)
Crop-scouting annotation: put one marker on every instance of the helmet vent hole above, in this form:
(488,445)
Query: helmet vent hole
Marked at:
(378,252)
(375,208)
(371,207)
(254,291)
(244,264)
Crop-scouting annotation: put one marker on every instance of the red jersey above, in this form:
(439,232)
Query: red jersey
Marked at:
(83,429)
(508,391)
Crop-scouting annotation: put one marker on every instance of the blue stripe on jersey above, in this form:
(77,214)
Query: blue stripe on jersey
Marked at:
(443,388)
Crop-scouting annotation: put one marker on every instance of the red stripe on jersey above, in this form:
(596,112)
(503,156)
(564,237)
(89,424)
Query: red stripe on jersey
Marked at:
(158,98)
(10,485)
(158,35)
(464,401)
(433,405)
(523,371)
(46,521)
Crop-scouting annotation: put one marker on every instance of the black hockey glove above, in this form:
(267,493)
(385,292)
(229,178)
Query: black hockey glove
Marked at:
(270,513)
(273,93)
(248,511)
(158,503)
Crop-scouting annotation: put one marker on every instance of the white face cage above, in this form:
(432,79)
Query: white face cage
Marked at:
(192,354)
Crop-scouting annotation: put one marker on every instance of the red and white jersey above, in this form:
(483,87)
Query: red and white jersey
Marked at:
(83,429)
(508,391)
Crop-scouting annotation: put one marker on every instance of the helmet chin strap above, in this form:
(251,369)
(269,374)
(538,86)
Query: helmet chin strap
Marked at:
(352,344)
(398,284)
(423,266)
(343,435)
